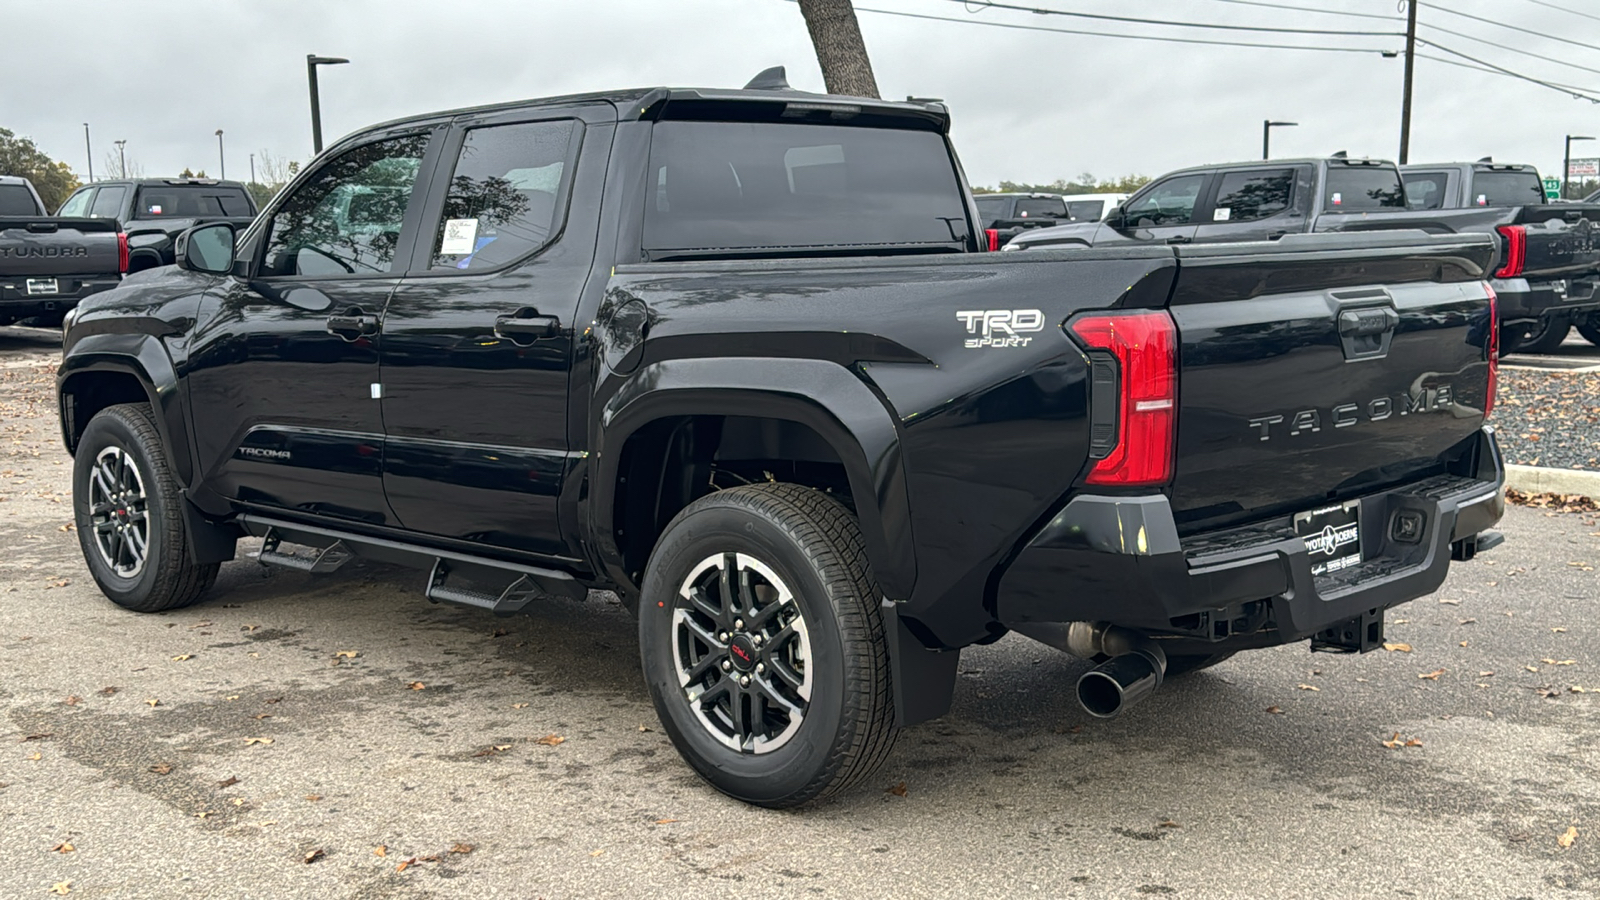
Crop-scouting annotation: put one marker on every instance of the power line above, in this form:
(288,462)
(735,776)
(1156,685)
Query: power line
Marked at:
(993,4)
(1325,12)
(1565,10)
(1477,68)
(1552,37)
(1133,37)
(1583,95)
(1462,34)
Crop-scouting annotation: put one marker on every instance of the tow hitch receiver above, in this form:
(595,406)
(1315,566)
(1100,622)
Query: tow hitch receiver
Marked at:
(1356,635)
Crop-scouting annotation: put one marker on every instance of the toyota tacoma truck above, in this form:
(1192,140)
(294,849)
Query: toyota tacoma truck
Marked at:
(1545,252)
(47,264)
(1549,269)
(154,211)
(739,356)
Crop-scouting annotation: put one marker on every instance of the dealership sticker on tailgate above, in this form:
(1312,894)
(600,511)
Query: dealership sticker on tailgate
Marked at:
(43,286)
(1332,536)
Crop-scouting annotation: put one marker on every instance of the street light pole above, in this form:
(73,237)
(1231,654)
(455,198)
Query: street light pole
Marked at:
(122,161)
(1266,135)
(312,61)
(252,168)
(222,159)
(88,150)
(1566,167)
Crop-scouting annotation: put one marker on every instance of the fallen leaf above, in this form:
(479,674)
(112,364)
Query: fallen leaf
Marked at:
(665,821)
(1558,630)
(313,797)
(161,768)
(1486,674)
(238,801)
(1168,823)
(1308,687)
(495,750)
(108,690)
(273,700)
(1566,839)
(35,757)
(1577,689)
(1462,644)
(416,686)
(597,853)
(1466,621)
(1400,648)
(1559,662)
(1531,668)
(249,741)
(61,887)
(183,657)
(1413,742)
(230,781)
(1431,676)
(313,856)
(462,849)
(39,736)
(1448,602)
(550,740)
(63,847)
(262,716)
(405,865)
(519,706)
(152,702)
(643,728)
(73,700)
(347,654)
(898,790)
(1275,710)
(380,850)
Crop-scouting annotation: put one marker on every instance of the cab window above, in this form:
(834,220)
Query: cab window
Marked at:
(77,204)
(1169,202)
(502,203)
(1425,190)
(1256,194)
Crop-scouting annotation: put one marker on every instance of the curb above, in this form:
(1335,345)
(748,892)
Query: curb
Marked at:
(1542,480)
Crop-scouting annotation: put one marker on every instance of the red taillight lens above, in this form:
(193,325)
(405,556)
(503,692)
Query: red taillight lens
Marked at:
(1494,351)
(122,253)
(993,234)
(1516,250)
(1145,347)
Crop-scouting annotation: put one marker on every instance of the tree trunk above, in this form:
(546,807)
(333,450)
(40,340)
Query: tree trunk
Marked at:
(840,50)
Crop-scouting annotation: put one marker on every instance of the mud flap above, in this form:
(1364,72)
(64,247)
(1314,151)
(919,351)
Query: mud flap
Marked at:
(923,681)
(209,542)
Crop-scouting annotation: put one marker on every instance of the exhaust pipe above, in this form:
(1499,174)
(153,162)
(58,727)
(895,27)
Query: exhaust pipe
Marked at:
(1135,669)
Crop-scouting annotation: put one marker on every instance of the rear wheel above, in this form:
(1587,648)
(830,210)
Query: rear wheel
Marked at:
(126,506)
(1590,329)
(1546,336)
(763,646)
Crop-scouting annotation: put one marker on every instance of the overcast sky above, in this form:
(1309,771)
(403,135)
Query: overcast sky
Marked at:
(1027,106)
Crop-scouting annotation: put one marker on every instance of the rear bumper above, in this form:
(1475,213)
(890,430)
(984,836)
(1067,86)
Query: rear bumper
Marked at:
(17,303)
(1121,560)
(1524,302)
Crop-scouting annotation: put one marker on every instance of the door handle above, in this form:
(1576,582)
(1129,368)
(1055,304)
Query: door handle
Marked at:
(353,324)
(1180,240)
(1274,235)
(525,323)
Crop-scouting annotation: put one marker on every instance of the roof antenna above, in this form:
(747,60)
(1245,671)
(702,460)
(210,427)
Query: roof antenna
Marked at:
(773,79)
(1342,154)
(1487,159)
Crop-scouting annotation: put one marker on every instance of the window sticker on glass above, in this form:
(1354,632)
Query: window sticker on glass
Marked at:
(1483,199)
(1221,214)
(460,236)
(1338,198)
(155,209)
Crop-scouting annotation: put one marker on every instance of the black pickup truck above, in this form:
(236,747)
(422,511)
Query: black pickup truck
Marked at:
(739,356)
(1545,252)
(1548,278)
(1006,215)
(154,211)
(47,265)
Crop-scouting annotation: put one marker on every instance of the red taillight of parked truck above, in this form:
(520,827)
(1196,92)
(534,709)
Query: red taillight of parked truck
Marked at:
(992,237)
(1516,258)
(122,252)
(1143,346)
(1494,351)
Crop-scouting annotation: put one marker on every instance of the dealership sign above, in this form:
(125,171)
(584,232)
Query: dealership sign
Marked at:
(1583,168)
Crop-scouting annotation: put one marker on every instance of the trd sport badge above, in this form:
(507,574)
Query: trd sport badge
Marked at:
(1001,327)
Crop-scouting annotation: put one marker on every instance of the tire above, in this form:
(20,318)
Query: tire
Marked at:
(799,556)
(1590,329)
(1183,665)
(1547,336)
(123,492)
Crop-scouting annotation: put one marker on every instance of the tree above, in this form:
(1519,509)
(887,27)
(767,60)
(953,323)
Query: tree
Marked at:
(272,173)
(841,52)
(52,179)
(1085,183)
(113,162)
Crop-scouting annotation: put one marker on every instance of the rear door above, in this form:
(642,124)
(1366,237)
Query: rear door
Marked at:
(478,340)
(1256,205)
(1305,380)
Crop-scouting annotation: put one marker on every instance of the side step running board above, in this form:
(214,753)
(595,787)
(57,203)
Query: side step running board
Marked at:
(512,586)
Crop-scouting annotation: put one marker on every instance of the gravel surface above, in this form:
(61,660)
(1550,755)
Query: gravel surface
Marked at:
(1550,418)
(299,736)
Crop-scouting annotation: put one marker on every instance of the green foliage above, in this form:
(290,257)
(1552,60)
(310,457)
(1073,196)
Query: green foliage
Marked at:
(1085,183)
(53,180)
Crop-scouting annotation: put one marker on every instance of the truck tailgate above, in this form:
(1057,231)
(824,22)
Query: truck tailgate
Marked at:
(1560,240)
(38,246)
(1322,366)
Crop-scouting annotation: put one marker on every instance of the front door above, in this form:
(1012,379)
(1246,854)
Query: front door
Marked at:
(1164,211)
(283,366)
(477,341)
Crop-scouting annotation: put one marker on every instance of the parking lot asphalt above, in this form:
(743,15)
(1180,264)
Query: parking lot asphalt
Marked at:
(338,736)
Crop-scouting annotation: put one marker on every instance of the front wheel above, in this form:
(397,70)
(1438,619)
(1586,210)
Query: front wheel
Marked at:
(1546,336)
(1590,329)
(126,506)
(763,646)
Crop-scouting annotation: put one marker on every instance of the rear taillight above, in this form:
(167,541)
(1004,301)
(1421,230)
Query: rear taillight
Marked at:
(122,253)
(1144,346)
(993,234)
(1516,257)
(1494,351)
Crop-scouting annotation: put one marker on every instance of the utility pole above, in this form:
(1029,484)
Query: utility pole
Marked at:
(88,150)
(222,160)
(1411,61)
(252,168)
(122,161)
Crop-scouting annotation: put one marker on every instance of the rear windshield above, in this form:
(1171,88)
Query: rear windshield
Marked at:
(1506,189)
(187,200)
(991,208)
(17,200)
(743,188)
(1363,188)
(1086,210)
(1041,208)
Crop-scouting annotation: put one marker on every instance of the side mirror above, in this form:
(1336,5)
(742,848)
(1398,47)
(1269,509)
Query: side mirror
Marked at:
(1117,218)
(205,248)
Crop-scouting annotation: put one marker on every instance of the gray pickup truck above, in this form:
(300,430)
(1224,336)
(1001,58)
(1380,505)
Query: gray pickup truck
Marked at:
(48,264)
(1549,268)
(154,211)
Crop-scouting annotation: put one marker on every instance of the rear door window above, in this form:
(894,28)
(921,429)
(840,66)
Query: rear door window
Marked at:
(503,200)
(1251,195)
(17,200)
(1363,189)
(768,188)
(1425,190)
(1086,210)
(1169,202)
(1041,208)
(108,203)
(1506,189)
